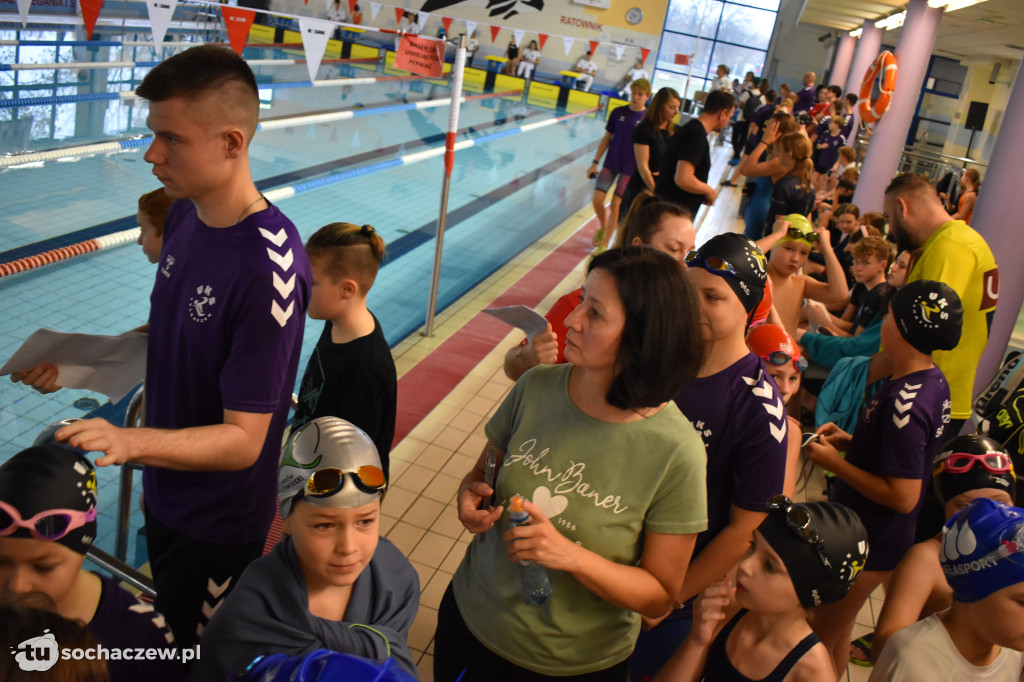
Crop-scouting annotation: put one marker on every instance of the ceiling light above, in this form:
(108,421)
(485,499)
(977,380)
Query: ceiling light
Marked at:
(953,5)
(892,21)
(857,33)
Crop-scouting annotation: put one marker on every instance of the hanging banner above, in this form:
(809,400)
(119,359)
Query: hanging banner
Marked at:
(160,13)
(682,59)
(90,13)
(518,36)
(619,49)
(568,45)
(542,38)
(644,53)
(374,8)
(398,15)
(23,6)
(421,19)
(593,48)
(470,27)
(447,23)
(422,56)
(315,34)
(238,21)
(494,32)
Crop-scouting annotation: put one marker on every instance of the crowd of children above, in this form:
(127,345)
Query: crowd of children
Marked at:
(659,416)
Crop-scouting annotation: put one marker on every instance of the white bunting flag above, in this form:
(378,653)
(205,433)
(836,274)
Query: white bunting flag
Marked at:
(160,13)
(470,27)
(23,11)
(421,19)
(328,3)
(315,34)
(568,45)
(518,35)
(619,49)
(374,8)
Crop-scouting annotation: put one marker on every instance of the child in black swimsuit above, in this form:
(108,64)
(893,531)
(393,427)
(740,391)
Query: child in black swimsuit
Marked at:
(801,556)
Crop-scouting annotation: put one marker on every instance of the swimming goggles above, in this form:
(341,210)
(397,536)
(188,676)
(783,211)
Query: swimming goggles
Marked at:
(962,462)
(794,233)
(329,480)
(800,522)
(52,524)
(781,357)
(712,264)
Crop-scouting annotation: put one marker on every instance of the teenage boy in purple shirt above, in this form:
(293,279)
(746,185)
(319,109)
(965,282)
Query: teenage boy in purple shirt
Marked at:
(226,321)
(889,456)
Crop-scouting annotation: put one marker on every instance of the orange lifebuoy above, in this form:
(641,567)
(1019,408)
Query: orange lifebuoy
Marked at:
(884,69)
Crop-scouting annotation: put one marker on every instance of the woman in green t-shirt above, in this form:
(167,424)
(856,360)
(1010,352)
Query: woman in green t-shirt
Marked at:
(616,476)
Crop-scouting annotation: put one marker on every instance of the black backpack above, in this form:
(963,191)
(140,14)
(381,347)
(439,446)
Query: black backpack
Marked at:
(751,105)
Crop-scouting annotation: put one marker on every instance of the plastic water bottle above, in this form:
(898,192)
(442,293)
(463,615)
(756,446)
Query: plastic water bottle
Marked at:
(533,578)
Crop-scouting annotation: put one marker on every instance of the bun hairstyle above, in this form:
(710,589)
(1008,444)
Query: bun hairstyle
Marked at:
(348,250)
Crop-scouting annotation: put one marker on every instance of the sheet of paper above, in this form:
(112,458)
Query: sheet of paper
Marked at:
(111,365)
(527,319)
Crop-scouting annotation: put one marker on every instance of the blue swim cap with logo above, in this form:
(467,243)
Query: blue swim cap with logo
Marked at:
(982,549)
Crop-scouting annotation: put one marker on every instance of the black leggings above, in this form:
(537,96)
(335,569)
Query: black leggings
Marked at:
(457,652)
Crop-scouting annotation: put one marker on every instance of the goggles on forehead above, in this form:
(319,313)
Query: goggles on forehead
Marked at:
(52,524)
(713,264)
(329,480)
(794,233)
(962,462)
(801,524)
(781,357)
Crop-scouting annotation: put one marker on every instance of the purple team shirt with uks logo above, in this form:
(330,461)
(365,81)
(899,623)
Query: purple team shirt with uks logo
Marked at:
(227,314)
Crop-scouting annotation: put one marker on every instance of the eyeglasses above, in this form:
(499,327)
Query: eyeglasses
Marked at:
(329,480)
(962,462)
(781,357)
(52,524)
(712,264)
(800,522)
(806,236)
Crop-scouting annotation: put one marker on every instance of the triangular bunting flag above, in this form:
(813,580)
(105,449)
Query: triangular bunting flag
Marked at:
(374,8)
(447,23)
(494,32)
(542,38)
(351,8)
(568,45)
(644,53)
(328,3)
(238,21)
(518,36)
(23,6)
(619,50)
(90,13)
(160,13)
(355,138)
(421,19)
(398,15)
(315,33)
(470,27)
(593,48)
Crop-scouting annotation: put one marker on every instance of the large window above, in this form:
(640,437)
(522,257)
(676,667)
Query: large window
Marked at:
(701,34)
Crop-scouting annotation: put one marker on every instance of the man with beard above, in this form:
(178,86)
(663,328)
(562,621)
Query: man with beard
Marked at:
(955,254)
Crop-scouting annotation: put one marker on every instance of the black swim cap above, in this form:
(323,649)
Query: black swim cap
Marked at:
(949,484)
(929,315)
(746,259)
(843,543)
(48,477)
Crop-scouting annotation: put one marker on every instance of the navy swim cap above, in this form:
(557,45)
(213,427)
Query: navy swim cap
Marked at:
(983,549)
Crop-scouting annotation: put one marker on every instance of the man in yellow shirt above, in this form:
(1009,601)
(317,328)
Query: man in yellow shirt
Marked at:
(955,254)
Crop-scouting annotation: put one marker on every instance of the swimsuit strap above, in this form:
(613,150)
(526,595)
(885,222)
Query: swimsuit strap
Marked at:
(794,655)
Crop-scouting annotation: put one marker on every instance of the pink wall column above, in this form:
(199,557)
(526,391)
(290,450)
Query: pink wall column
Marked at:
(841,63)
(997,218)
(913,52)
(867,47)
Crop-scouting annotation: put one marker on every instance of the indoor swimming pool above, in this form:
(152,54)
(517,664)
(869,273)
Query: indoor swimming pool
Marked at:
(508,189)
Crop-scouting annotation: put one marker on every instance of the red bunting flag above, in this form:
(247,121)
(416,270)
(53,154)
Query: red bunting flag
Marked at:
(90,13)
(398,15)
(238,21)
(447,23)
(593,47)
(351,8)
(644,53)
(494,32)
(542,38)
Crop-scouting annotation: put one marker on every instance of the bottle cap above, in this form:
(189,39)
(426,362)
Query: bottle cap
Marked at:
(515,505)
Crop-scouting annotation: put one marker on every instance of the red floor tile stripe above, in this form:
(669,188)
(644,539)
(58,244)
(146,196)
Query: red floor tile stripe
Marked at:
(426,384)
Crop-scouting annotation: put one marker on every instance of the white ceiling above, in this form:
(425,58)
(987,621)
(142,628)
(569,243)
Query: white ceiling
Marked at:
(992,29)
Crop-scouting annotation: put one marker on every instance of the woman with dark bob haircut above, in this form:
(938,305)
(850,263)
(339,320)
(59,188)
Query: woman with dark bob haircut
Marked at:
(614,477)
